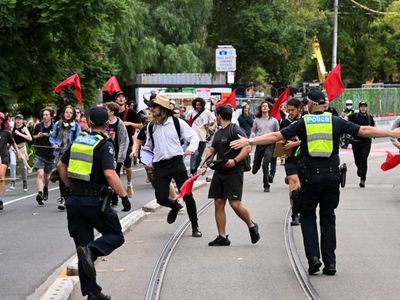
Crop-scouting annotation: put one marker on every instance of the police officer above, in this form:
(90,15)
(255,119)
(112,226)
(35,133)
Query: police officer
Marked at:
(85,204)
(361,147)
(319,134)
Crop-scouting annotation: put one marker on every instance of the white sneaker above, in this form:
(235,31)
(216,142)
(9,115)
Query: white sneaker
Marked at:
(61,205)
(11,187)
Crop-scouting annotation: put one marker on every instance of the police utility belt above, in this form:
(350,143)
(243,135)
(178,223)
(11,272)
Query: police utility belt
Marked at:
(307,172)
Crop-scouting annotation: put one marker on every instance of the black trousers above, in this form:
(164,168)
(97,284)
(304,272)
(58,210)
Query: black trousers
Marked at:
(263,154)
(82,220)
(361,152)
(322,191)
(164,172)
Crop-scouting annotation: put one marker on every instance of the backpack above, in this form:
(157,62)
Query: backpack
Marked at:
(177,127)
(247,160)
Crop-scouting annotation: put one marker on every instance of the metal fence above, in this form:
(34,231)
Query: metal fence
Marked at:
(381,101)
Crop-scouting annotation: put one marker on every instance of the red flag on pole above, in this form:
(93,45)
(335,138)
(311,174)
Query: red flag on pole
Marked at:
(391,161)
(333,83)
(231,100)
(187,186)
(111,85)
(282,98)
(72,81)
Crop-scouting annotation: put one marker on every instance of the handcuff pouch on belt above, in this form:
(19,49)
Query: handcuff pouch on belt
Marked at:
(104,193)
(306,172)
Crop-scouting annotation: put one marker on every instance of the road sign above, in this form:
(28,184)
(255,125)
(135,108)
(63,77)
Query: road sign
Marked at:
(225,59)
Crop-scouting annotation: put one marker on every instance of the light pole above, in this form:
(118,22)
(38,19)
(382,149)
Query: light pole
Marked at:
(335,33)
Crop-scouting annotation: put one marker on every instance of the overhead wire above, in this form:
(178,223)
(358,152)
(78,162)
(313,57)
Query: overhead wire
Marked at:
(373,10)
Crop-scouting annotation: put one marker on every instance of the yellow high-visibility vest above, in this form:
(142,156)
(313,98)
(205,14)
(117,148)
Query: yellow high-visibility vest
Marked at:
(81,157)
(319,131)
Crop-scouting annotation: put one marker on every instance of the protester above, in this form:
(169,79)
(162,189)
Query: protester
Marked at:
(227,181)
(6,139)
(44,157)
(21,136)
(200,119)
(63,134)
(293,107)
(81,119)
(264,123)
(163,138)
(246,119)
(117,133)
(132,122)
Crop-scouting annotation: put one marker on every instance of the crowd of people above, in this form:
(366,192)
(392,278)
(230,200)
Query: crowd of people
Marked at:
(114,134)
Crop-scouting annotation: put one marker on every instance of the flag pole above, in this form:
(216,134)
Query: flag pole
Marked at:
(335,33)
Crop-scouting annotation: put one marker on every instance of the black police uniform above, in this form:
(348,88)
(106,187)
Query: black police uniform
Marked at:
(361,146)
(322,189)
(83,213)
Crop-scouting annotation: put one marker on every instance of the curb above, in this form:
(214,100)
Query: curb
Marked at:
(63,287)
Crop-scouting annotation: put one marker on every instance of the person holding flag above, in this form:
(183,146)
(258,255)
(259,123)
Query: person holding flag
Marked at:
(227,181)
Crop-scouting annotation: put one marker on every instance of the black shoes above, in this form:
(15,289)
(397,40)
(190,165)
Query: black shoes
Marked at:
(220,241)
(1,205)
(254,170)
(196,232)
(271,178)
(85,256)
(254,234)
(313,265)
(362,183)
(173,213)
(266,190)
(295,220)
(99,296)
(329,270)
(45,193)
(39,198)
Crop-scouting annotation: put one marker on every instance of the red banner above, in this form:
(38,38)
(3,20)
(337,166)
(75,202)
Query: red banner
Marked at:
(72,81)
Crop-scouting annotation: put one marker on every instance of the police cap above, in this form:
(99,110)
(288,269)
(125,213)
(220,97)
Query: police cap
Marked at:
(316,97)
(98,116)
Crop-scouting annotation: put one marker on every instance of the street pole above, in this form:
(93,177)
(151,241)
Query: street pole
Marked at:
(335,33)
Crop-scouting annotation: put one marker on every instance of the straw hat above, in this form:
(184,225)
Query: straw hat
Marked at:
(162,101)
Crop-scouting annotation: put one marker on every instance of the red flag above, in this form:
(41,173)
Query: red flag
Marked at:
(231,100)
(187,186)
(333,83)
(72,81)
(276,109)
(111,85)
(391,161)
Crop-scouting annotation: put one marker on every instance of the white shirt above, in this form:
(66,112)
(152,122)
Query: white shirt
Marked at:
(204,119)
(166,139)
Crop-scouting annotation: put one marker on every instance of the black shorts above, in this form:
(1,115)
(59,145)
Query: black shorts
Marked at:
(291,166)
(226,186)
(128,159)
(5,159)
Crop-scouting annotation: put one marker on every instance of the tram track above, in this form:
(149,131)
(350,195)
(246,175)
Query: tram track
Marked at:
(156,280)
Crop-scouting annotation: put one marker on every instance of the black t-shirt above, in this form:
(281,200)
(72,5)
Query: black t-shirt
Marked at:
(18,139)
(5,138)
(131,116)
(103,159)
(46,153)
(285,123)
(366,120)
(142,134)
(221,141)
(340,126)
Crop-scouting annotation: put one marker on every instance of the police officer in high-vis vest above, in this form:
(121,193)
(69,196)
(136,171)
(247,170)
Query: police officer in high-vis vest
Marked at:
(319,133)
(88,169)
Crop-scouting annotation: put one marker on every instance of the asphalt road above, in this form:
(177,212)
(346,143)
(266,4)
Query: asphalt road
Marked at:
(34,240)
